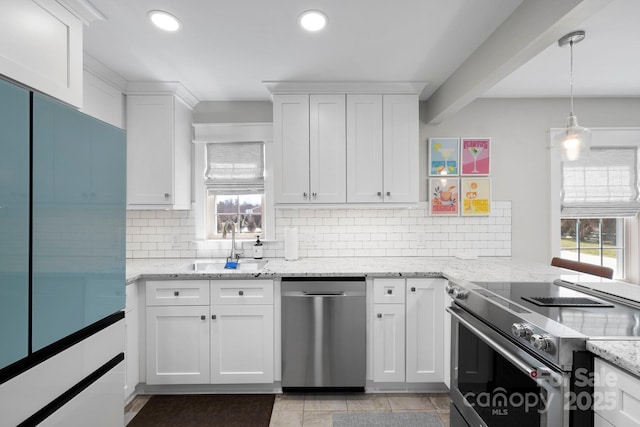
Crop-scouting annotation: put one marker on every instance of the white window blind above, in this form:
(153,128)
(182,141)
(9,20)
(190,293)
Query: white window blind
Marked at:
(603,185)
(235,167)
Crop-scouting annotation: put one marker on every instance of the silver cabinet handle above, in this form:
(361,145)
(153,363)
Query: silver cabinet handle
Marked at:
(379,316)
(413,289)
(389,292)
(176,293)
(166,195)
(240,293)
(203,317)
(213,317)
(388,193)
(379,193)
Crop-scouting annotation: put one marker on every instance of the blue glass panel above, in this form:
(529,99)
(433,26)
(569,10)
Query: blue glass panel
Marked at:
(14,223)
(78,220)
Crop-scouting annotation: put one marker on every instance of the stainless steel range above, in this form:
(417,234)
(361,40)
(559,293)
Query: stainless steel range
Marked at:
(519,351)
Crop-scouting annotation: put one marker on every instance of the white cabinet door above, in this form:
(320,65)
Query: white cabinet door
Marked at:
(178,345)
(364,148)
(327,149)
(131,349)
(291,148)
(388,343)
(617,394)
(158,152)
(425,314)
(242,348)
(400,136)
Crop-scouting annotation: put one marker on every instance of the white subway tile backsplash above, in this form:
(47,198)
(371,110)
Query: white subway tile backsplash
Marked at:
(326,232)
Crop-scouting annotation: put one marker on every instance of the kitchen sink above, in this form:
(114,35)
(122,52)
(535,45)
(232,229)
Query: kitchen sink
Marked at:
(218,265)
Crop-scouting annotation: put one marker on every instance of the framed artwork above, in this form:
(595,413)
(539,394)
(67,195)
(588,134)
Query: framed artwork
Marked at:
(444,196)
(475,156)
(476,196)
(443,156)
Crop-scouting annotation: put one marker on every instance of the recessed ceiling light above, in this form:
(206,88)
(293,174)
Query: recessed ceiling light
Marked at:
(313,20)
(164,20)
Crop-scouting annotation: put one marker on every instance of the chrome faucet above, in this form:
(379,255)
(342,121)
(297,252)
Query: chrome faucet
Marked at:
(233,254)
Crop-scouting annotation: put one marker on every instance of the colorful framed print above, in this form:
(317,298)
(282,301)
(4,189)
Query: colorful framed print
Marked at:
(475,156)
(443,156)
(476,196)
(444,196)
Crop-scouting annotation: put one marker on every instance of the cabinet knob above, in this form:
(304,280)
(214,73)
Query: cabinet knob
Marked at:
(389,291)
(388,193)
(240,293)
(203,317)
(213,317)
(379,193)
(413,289)
(314,194)
(166,195)
(379,315)
(176,293)
(304,195)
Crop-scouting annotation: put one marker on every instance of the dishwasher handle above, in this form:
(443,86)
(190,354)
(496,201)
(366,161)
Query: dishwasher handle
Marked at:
(322,294)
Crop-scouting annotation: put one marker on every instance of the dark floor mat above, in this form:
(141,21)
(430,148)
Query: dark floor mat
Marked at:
(206,410)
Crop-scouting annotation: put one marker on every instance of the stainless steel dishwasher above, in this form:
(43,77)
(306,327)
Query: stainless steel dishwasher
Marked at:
(323,333)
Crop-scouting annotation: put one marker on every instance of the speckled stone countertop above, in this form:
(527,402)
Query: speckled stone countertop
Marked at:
(621,353)
(625,354)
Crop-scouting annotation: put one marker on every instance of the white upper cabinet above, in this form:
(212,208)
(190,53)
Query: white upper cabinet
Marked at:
(43,48)
(400,142)
(364,148)
(309,135)
(337,147)
(327,143)
(158,152)
(291,136)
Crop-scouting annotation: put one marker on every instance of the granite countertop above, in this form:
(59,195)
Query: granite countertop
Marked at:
(625,354)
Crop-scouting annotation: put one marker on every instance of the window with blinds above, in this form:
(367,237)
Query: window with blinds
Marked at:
(603,185)
(234,180)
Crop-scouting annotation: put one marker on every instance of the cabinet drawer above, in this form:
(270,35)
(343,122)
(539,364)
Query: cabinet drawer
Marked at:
(388,291)
(178,292)
(241,292)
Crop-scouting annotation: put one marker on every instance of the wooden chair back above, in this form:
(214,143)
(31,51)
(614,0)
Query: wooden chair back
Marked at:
(583,267)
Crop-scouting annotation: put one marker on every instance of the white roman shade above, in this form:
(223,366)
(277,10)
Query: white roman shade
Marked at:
(603,185)
(235,167)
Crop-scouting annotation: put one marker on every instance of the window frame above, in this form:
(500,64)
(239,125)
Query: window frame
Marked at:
(601,137)
(230,132)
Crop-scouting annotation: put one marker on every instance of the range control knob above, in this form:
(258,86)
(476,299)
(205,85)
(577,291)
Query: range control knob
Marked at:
(459,293)
(541,342)
(449,289)
(521,330)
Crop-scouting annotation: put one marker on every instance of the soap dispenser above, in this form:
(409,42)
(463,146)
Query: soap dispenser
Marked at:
(257,249)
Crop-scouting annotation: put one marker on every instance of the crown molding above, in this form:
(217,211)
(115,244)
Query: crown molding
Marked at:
(97,68)
(84,10)
(163,88)
(385,87)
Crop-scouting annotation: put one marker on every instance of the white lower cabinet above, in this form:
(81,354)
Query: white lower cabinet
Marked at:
(178,345)
(616,396)
(388,343)
(228,341)
(407,325)
(425,325)
(242,344)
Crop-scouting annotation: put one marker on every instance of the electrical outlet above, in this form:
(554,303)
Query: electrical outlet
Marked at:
(311,241)
(175,241)
(422,240)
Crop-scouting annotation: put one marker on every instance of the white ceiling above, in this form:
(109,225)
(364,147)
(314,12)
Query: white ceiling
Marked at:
(226,49)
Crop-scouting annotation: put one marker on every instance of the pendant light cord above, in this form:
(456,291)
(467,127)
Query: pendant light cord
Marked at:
(571,74)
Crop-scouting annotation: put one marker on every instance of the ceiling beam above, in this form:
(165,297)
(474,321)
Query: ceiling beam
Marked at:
(530,29)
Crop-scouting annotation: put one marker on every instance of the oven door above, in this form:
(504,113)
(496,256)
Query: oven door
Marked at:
(496,383)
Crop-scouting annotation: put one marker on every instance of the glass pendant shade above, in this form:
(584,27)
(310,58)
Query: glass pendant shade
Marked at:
(575,141)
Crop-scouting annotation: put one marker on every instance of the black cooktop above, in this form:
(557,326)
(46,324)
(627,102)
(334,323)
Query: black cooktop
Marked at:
(566,302)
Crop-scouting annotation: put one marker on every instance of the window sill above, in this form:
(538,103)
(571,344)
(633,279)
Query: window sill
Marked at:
(224,244)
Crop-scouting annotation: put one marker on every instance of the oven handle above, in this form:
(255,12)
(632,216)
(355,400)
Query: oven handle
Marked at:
(535,373)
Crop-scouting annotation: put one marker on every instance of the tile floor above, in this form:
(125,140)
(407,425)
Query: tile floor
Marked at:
(316,410)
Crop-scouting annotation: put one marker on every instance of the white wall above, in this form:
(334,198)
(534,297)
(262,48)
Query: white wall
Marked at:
(520,159)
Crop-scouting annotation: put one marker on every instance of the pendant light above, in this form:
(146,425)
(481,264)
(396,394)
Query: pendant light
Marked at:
(575,141)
